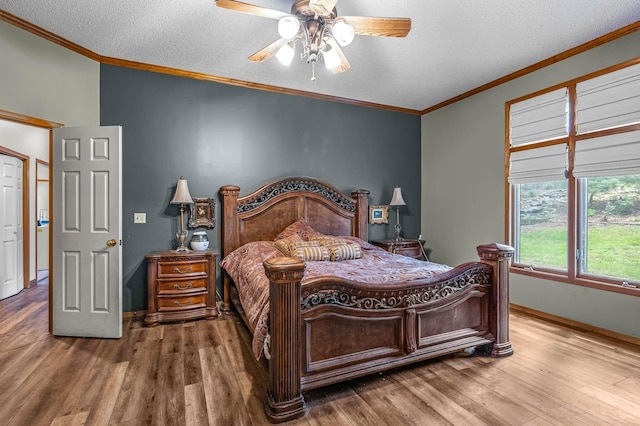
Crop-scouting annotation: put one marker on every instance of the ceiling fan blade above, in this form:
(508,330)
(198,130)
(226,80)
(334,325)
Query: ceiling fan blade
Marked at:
(386,27)
(269,51)
(250,9)
(344,64)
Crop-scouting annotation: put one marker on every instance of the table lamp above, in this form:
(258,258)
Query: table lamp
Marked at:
(182,197)
(397,201)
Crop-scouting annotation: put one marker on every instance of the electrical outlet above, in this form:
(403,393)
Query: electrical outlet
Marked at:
(139,218)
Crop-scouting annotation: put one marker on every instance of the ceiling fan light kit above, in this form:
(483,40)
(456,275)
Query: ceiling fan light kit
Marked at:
(322,7)
(285,54)
(343,32)
(288,27)
(321,32)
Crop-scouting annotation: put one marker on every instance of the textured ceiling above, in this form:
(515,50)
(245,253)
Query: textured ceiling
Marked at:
(453,46)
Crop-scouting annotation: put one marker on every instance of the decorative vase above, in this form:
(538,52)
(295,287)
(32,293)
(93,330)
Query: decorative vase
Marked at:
(199,241)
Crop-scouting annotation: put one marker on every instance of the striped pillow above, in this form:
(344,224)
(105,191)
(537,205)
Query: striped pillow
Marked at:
(311,252)
(349,251)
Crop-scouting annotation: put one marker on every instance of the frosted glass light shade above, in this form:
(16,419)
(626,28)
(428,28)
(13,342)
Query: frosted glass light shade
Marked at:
(331,58)
(342,32)
(396,199)
(288,27)
(285,55)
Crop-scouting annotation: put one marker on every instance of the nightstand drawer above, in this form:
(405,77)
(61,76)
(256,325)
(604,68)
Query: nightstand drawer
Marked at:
(412,251)
(181,303)
(181,268)
(181,286)
(409,248)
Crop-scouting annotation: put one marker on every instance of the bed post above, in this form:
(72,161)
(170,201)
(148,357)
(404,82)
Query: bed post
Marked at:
(230,236)
(284,399)
(362,213)
(499,257)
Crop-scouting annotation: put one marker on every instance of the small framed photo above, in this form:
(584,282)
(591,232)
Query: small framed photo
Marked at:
(202,213)
(378,214)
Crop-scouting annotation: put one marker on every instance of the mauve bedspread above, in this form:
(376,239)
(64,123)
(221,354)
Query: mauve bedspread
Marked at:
(376,266)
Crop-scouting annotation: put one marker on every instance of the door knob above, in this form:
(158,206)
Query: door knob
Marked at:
(111,243)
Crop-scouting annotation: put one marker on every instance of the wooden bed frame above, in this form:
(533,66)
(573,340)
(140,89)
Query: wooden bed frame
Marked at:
(331,330)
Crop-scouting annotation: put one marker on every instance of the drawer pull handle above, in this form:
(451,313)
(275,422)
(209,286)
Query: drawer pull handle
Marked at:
(183,288)
(177,270)
(188,302)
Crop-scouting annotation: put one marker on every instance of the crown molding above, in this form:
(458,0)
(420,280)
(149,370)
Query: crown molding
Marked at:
(621,32)
(41,32)
(235,82)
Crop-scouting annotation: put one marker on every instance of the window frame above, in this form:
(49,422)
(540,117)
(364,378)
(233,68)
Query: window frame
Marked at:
(574,189)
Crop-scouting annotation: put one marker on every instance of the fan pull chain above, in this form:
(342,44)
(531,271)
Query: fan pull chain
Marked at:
(313,71)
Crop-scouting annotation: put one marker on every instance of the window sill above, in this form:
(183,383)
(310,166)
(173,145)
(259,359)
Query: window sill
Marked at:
(600,285)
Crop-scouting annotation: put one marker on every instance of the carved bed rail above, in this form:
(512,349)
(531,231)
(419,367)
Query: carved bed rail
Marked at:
(342,292)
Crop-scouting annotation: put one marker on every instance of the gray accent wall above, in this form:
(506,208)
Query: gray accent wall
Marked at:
(215,134)
(463,188)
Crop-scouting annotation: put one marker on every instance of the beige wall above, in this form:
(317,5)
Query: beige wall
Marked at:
(43,80)
(463,188)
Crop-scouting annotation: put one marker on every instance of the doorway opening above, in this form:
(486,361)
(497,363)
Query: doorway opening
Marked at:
(43,236)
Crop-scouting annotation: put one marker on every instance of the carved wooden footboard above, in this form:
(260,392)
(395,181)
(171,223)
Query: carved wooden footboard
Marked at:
(333,331)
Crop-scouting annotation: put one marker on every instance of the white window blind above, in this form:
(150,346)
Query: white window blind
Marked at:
(538,119)
(538,165)
(609,101)
(611,155)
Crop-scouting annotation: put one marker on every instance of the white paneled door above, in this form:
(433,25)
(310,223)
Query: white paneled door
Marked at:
(11,227)
(87,232)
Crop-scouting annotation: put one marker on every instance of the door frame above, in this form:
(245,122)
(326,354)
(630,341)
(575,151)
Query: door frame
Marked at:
(42,163)
(26,282)
(50,125)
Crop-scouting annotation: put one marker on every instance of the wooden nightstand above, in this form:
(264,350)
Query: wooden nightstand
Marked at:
(410,248)
(181,286)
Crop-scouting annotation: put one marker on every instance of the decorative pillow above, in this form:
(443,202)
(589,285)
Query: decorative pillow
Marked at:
(288,245)
(328,240)
(355,240)
(311,252)
(299,227)
(344,252)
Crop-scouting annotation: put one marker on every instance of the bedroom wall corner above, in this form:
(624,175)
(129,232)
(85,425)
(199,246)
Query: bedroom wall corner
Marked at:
(463,201)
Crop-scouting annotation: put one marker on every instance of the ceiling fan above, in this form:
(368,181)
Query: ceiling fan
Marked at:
(319,29)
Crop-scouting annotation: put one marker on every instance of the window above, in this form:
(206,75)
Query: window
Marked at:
(574,180)
(542,225)
(610,227)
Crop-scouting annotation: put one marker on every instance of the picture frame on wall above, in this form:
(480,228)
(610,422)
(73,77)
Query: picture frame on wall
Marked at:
(202,213)
(378,214)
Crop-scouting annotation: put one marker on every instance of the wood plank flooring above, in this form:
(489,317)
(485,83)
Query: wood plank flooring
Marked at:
(203,373)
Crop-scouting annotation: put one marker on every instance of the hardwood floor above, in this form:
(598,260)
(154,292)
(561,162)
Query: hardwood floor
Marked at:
(202,372)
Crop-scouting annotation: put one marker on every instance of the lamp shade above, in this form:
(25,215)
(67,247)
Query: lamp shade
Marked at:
(182,195)
(396,199)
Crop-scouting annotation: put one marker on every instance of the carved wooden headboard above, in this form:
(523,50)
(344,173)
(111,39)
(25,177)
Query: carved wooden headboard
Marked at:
(264,213)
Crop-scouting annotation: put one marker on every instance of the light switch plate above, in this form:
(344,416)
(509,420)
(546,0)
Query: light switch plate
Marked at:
(139,218)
